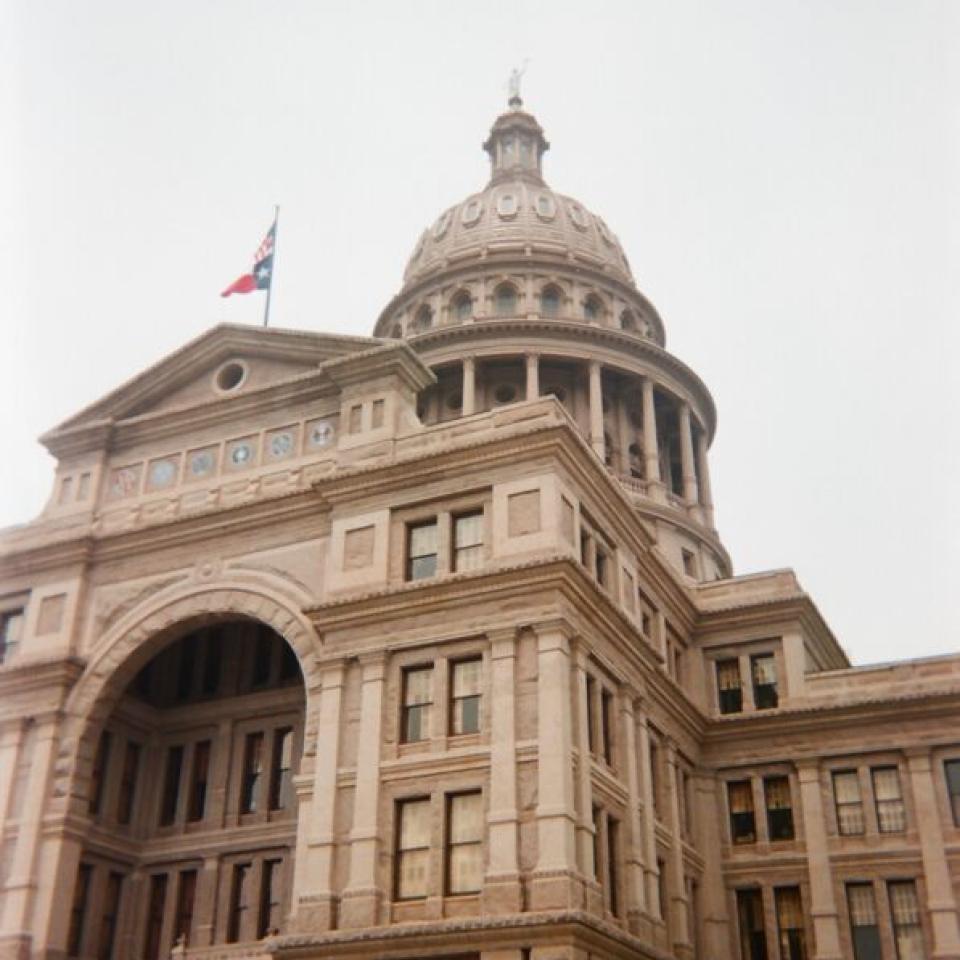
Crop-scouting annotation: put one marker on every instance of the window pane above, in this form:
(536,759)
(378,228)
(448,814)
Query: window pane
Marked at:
(728,674)
(466,868)
(423,539)
(863,905)
(764,670)
(741,796)
(418,685)
(469,530)
(466,818)
(466,677)
(952,771)
(777,792)
(422,568)
(412,874)
(886,783)
(415,824)
(846,786)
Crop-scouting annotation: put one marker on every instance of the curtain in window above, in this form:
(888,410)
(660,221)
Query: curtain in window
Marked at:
(764,671)
(741,797)
(465,835)
(418,687)
(468,541)
(466,678)
(846,790)
(789,909)
(886,790)
(846,787)
(728,675)
(423,540)
(777,792)
(905,911)
(863,906)
(414,849)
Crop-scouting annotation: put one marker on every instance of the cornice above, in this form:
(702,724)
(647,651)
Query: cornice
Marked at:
(571,331)
(32,676)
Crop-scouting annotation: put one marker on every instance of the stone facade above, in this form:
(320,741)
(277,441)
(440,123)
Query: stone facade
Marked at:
(426,645)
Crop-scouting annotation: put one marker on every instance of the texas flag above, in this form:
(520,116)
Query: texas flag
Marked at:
(259,277)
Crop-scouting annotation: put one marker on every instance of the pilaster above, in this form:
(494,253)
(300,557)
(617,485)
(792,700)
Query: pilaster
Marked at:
(596,408)
(636,884)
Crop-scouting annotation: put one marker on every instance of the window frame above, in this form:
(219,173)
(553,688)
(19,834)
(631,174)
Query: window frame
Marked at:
(782,823)
(888,803)
(449,845)
(409,559)
(455,701)
(841,805)
(738,836)
(399,850)
(424,706)
(719,665)
(755,658)
(13,614)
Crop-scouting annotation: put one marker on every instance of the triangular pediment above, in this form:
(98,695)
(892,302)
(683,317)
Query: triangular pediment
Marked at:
(226,361)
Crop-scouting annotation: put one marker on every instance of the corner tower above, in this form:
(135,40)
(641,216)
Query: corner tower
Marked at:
(518,292)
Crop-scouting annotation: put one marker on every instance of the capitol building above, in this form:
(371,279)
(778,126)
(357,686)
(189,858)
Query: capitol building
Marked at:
(426,645)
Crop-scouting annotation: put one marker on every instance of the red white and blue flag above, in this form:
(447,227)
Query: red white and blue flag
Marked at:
(259,277)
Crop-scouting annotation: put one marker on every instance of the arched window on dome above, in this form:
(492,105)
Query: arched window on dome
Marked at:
(592,309)
(462,307)
(505,300)
(550,300)
(424,319)
(628,321)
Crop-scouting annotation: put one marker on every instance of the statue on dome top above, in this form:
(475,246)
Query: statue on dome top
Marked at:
(513,85)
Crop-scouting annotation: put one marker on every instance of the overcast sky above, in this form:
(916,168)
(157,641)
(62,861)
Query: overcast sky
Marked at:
(784,176)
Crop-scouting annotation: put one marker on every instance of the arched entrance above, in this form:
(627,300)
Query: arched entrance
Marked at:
(189,795)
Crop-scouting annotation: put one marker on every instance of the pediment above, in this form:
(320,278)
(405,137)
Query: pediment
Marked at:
(224,362)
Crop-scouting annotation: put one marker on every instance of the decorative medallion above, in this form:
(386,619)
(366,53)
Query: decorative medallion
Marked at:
(320,434)
(201,463)
(280,444)
(162,473)
(241,454)
(125,481)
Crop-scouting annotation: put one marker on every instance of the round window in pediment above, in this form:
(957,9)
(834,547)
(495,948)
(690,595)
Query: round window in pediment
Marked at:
(230,376)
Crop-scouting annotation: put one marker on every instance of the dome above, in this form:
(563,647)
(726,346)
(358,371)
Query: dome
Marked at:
(517,211)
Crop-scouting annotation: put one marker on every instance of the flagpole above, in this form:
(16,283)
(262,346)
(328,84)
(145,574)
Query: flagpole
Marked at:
(273,269)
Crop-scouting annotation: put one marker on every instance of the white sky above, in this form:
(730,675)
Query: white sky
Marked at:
(784,176)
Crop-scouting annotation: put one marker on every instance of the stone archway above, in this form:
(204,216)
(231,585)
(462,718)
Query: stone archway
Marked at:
(132,641)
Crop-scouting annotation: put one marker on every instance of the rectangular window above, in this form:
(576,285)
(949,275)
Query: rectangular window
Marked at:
(99,773)
(776,792)
(763,669)
(613,864)
(78,910)
(239,882)
(128,782)
(597,830)
(171,786)
(198,781)
(864,929)
(413,848)
(743,827)
(422,540)
(376,413)
(606,725)
(465,696)
(268,916)
(11,631)
(790,923)
(655,777)
(729,686)
(155,910)
(464,843)
(252,772)
(905,913)
(846,795)
(281,768)
(355,418)
(662,897)
(468,541)
(108,919)
(417,701)
(951,770)
(753,937)
(891,816)
(591,719)
(186,894)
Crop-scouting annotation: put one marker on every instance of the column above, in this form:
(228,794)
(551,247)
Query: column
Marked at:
(716,943)
(361,898)
(680,935)
(501,887)
(635,885)
(651,450)
(706,494)
(554,882)
(649,820)
(533,376)
(823,907)
(469,387)
(688,470)
(22,878)
(596,409)
(941,901)
(584,784)
(313,900)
